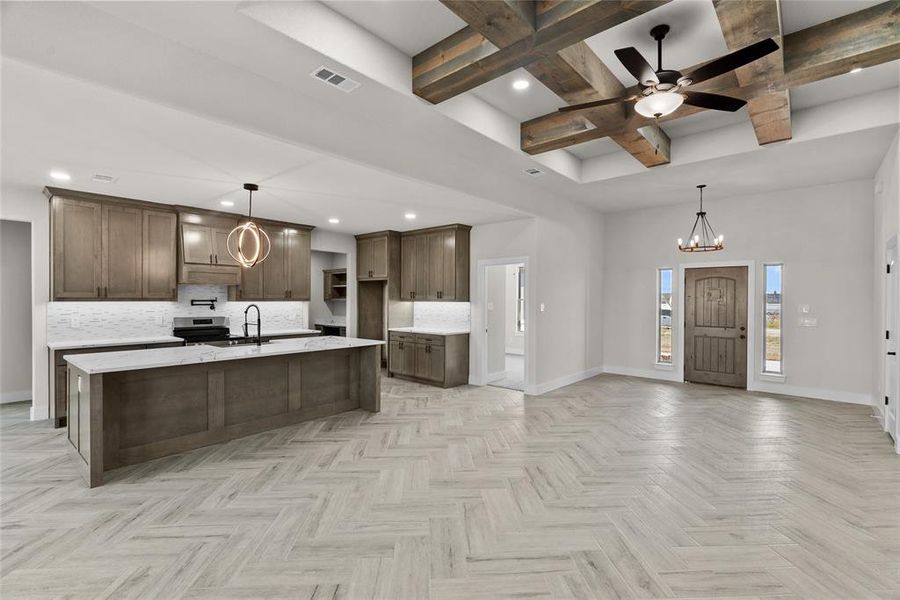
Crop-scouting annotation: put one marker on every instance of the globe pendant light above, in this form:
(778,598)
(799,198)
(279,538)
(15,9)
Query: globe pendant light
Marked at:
(248,243)
(702,238)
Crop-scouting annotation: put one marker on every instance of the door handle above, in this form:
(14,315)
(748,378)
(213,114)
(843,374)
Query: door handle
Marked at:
(892,354)
(743,336)
(742,329)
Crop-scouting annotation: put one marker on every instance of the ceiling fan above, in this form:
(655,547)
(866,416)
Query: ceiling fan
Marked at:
(664,89)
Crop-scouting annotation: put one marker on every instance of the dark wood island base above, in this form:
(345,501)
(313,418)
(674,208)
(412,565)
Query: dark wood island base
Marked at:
(127,417)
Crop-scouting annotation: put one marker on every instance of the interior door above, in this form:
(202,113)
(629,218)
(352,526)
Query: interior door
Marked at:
(892,334)
(715,326)
(122,252)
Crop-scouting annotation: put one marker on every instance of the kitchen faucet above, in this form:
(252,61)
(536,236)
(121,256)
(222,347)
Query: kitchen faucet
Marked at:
(258,324)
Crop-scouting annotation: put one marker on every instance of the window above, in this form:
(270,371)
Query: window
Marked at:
(772,362)
(520,300)
(664,316)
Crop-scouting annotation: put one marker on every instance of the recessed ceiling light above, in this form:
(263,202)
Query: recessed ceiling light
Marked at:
(60,175)
(226,203)
(410,216)
(521,84)
(856,69)
(334,220)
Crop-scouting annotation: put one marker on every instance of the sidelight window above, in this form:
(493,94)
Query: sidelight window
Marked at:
(664,316)
(772,362)
(520,300)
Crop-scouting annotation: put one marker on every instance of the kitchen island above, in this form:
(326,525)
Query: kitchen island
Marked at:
(129,407)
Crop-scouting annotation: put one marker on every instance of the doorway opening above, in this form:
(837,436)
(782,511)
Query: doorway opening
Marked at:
(716,326)
(328,293)
(15,312)
(891,344)
(505,325)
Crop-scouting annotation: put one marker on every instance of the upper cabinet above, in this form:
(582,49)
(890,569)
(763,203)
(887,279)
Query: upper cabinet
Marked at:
(204,250)
(285,273)
(377,255)
(435,264)
(111,248)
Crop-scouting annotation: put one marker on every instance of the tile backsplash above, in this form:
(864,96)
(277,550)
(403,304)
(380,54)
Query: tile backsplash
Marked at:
(442,315)
(109,320)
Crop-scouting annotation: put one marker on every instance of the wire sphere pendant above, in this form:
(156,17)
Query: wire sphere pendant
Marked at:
(702,238)
(248,244)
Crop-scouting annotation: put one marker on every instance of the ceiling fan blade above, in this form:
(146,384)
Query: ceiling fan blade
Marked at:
(735,60)
(632,60)
(713,101)
(595,103)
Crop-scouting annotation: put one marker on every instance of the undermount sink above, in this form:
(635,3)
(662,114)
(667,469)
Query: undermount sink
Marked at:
(238,341)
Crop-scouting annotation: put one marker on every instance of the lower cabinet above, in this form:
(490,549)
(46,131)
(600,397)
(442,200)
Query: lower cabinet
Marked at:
(60,377)
(435,359)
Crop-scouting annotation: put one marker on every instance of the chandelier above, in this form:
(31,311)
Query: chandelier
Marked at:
(702,238)
(247,243)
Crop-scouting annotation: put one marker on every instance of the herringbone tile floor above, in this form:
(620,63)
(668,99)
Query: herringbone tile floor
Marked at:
(611,488)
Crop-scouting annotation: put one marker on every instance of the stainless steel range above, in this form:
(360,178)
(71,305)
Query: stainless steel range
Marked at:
(213,331)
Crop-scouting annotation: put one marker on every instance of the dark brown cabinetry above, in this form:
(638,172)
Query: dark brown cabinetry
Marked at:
(334,284)
(436,359)
(435,264)
(285,274)
(105,247)
(378,256)
(60,380)
(204,249)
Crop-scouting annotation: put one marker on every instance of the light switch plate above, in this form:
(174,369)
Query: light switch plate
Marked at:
(804,309)
(809,322)
(490,306)
(542,307)
(74,322)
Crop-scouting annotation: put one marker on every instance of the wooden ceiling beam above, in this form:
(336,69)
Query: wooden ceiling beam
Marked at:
(865,38)
(745,23)
(576,74)
(465,60)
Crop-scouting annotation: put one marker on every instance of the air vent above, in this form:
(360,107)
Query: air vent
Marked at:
(104,178)
(341,82)
(534,172)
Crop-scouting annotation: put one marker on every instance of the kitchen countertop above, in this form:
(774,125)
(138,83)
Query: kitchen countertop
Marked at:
(96,343)
(133,360)
(266,332)
(430,330)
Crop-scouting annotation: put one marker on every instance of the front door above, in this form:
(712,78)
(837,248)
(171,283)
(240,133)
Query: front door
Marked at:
(892,333)
(715,326)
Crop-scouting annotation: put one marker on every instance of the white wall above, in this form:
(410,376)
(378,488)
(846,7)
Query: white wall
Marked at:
(496,321)
(341,243)
(331,311)
(29,204)
(886,225)
(515,341)
(811,230)
(564,268)
(15,311)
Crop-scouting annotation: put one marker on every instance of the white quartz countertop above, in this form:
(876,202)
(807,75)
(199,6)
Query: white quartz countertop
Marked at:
(430,330)
(266,332)
(133,360)
(97,343)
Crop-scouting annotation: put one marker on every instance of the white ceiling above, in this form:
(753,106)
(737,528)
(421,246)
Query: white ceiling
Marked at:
(164,155)
(184,101)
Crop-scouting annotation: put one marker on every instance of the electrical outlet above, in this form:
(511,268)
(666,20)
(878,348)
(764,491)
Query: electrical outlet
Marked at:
(542,307)
(74,322)
(490,306)
(809,322)
(162,320)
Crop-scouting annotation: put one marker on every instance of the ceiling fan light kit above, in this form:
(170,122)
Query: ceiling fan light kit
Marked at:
(665,90)
(702,238)
(248,243)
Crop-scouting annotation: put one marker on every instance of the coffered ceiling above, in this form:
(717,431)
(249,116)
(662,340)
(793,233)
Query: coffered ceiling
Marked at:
(85,84)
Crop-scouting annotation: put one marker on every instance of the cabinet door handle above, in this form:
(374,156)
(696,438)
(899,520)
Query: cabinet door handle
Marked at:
(210,259)
(99,295)
(174,293)
(217,259)
(105,292)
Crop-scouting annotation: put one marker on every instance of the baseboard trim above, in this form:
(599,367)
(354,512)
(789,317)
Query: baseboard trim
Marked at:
(758,386)
(555,384)
(807,392)
(19,396)
(492,377)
